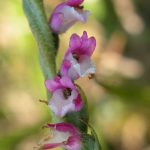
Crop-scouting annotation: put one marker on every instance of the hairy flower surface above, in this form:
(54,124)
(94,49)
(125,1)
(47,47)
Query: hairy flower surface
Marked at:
(77,62)
(66,97)
(67,14)
(61,134)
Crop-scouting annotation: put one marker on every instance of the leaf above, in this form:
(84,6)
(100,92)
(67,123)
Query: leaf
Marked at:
(88,140)
(96,144)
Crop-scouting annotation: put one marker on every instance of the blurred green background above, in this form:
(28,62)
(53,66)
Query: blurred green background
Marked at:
(118,97)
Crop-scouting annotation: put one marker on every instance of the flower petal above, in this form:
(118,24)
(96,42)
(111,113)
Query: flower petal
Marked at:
(84,14)
(52,85)
(53,145)
(78,103)
(83,67)
(72,73)
(64,127)
(74,143)
(81,46)
(88,45)
(75,3)
(70,16)
(57,79)
(53,139)
(86,66)
(65,67)
(60,105)
(74,43)
(55,22)
(67,82)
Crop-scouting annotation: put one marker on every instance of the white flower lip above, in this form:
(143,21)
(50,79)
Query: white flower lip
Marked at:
(60,105)
(82,67)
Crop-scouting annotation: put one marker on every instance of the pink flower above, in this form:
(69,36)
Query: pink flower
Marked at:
(61,134)
(66,97)
(77,62)
(67,14)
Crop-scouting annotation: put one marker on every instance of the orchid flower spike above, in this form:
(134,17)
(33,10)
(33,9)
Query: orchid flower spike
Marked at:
(66,97)
(61,134)
(77,62)
(67,14)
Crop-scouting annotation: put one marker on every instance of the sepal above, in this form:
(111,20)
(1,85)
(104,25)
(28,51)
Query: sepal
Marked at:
(90,142)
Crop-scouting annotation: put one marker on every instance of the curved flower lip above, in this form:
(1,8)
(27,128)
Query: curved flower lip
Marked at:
(66,97)
(77,62)
(82,67)
(61,134)
(61,106)
(67,14)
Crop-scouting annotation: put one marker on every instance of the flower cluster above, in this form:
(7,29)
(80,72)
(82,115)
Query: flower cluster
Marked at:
(76,64)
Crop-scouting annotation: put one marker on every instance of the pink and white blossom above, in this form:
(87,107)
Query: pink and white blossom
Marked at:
(67,14)
(66,97)
(61,134)
(77,62)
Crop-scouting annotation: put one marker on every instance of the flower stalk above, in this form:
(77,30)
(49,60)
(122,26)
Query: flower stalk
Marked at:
(34,11)
(68,102)
(35,14)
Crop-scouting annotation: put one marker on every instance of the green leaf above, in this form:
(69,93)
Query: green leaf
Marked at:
(96,144)
(88,142)
(88,139)
(34,11)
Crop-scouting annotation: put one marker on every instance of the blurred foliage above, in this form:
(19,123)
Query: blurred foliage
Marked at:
(118,97)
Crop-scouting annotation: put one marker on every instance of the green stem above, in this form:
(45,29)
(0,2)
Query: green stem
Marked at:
(34,11)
